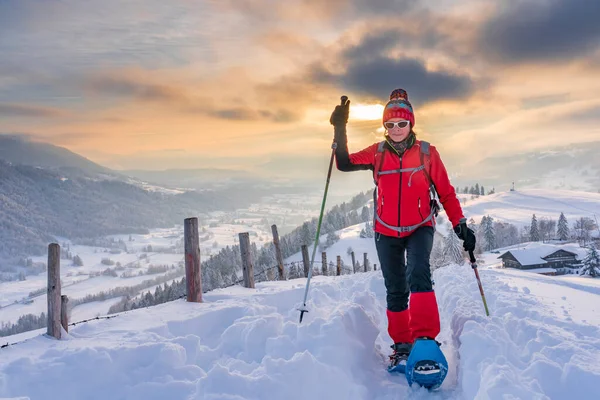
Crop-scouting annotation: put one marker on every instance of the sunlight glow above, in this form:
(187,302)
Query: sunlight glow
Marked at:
(366,112)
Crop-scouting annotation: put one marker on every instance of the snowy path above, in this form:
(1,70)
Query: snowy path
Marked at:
(246,344)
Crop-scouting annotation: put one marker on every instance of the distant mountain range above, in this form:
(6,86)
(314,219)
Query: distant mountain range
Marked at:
(47,192)
(20,151)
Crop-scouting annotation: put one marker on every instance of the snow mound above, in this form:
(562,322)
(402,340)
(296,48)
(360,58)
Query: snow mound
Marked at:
(523,350)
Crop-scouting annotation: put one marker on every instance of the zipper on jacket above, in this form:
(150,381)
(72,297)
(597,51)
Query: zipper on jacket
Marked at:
(400,195)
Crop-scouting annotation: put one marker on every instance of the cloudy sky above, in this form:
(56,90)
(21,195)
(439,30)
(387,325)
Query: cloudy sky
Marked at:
(250,84)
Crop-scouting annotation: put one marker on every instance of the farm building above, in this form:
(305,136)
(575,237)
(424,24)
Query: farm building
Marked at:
(543,259)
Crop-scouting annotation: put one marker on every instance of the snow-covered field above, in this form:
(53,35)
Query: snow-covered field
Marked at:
(542,341)
(79,282)
(518,207)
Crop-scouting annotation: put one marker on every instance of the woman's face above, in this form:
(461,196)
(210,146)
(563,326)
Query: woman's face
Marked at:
(395,132)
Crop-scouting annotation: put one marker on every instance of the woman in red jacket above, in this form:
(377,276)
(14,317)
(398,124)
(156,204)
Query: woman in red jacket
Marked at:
(407,174)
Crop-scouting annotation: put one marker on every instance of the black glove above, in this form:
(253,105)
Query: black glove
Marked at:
(339,116)
(467,235)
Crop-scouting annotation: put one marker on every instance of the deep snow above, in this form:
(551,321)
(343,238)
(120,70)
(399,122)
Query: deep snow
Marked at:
(247,344)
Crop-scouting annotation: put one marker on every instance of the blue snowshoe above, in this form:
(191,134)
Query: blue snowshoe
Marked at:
(399,357)
(426,365)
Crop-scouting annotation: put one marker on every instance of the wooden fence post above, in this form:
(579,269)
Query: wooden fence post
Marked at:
(247,264)
(374,267)
(305,260)
(53,291)
(338,271)
(324,261)
(64,318)
(366,262)
(193,273)
(278,252)
(353,263)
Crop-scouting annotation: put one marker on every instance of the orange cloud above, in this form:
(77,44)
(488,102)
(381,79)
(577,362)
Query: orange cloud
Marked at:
(8,110)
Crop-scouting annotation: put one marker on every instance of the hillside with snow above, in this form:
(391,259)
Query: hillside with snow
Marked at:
(541,341)
(573,166)
(517,207)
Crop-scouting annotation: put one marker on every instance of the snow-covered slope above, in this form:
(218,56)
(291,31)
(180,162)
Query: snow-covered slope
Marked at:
(517,207)
(542,341)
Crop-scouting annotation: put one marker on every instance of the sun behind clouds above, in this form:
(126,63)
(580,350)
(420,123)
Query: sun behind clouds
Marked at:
(366,112)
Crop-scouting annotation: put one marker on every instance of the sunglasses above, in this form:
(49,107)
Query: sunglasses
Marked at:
(400,124)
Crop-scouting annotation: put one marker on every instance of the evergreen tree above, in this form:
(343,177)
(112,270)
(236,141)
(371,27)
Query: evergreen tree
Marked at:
(365,215)
(77,261)
(489,235)
(367,232)
(477,191)
(563,227)
(306,237)
(591,263)
(453,251)
(534,232)
(331,239)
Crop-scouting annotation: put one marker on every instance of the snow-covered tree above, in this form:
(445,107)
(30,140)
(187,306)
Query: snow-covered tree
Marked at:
(547,228)
(488,234)
(331,239)
(534,232)
(591,263)
(506,234)
(453,250)
(365,215)
(77,261)
(293,272)
(584,227)
(563,227)
(437,253)
(367,232)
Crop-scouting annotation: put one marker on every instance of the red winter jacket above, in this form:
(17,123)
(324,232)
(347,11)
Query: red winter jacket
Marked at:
(403,198)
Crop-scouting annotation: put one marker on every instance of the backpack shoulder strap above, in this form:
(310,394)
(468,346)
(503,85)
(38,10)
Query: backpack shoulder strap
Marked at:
(378,161)
(424,148)
(425,152)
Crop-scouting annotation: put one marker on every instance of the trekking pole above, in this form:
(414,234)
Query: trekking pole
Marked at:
(303,309)
(474,266)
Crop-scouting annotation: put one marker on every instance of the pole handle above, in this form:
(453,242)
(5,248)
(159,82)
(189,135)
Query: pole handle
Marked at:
(472,259)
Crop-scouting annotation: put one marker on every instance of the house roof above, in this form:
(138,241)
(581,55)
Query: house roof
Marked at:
(534,255)
(529,256)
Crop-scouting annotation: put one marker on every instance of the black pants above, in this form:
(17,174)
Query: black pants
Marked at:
(403,275)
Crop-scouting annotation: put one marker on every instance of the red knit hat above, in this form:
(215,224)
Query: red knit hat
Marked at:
(399,107)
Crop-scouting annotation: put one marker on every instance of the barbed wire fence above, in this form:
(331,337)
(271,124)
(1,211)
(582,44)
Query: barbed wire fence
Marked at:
(291,270)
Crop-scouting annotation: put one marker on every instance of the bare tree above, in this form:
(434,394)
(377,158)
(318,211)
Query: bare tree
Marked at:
(547,228)
(583,229)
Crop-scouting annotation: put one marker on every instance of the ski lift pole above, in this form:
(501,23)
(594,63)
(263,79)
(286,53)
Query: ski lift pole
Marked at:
(303,309)
(474,266)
